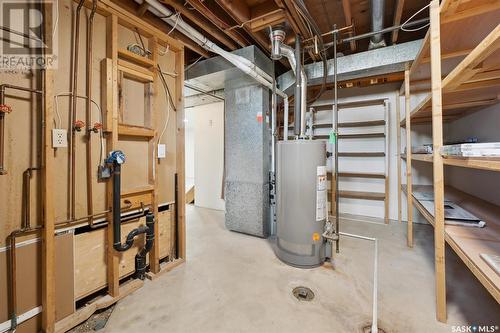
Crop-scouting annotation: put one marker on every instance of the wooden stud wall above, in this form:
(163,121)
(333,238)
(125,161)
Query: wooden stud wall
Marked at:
(110,59)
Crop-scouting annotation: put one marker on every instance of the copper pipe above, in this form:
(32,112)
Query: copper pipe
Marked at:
(2,131)
(88,113)
(3,171)
(28,173)
(72,118)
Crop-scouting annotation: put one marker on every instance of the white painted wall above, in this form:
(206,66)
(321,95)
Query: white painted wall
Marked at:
(205,153)
(484,125)
(189,129)
(368,208)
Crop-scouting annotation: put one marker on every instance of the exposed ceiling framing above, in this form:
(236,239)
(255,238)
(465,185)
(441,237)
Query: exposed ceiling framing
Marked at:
(233,24)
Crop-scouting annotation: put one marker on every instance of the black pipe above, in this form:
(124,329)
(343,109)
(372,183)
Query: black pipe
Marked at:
(140,257)
(117,158)
(298,90)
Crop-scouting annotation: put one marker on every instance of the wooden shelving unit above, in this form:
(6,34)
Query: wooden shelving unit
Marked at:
(458,70)
(469,243)
(360,125)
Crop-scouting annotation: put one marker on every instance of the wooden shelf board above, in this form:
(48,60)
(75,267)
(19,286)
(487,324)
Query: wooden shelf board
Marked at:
(361,136)
(351,136)
(347,105)
(363,123)
(361,175)
(362,195)
(482,163)
(470,242)
(361,154)
(350,124)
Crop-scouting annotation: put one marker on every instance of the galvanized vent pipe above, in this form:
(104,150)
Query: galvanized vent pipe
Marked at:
(278,50)
(378,10)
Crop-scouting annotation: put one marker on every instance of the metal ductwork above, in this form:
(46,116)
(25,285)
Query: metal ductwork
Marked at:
(378,10)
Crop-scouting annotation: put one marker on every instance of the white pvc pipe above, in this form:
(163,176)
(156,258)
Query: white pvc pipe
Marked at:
(374,328)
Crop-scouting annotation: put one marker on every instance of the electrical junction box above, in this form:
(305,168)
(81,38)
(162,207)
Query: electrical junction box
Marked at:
(162,150)
(59,138)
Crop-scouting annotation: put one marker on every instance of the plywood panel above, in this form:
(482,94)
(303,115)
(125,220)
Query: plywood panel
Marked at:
(165,229)
(90,264)
(29,283)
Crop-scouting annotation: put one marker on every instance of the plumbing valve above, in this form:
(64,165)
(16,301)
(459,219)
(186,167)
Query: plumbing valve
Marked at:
(79,124)
(96,128)
(4,108)
(116,156)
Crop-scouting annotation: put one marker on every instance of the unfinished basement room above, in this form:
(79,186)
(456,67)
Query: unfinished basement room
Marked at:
(250,166)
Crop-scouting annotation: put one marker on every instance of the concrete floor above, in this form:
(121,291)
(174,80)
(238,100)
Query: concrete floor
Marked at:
(234,283)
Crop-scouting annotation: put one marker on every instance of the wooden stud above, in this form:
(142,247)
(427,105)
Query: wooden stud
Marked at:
(154,254)
(48,213)
(438,168)
(409,192)
(180,160)
(397,19)
(348,20)
(387,161)
(398,151)
(110,93)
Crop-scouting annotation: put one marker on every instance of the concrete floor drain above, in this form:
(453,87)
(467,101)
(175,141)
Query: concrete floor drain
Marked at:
(368,329)
(303,293)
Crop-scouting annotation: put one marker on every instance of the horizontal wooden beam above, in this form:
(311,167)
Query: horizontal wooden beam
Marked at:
(203,23)
(135,131)
(398,13)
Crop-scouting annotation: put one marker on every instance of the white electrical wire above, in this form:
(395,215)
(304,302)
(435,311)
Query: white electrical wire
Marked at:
(178,14)
(167,118)
(101,117)
(402,27)
(56,21)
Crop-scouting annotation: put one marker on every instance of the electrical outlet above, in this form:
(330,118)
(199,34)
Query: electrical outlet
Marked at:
(162,150)
(59,138)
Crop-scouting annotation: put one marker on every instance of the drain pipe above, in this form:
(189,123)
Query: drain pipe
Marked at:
(116,159)
(378,10)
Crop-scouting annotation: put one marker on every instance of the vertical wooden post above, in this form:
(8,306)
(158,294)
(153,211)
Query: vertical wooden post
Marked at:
(438,172)
(154,254)
(409,187)
(48,215)
(110,94)
(180,160)
(387,160)
(398,150)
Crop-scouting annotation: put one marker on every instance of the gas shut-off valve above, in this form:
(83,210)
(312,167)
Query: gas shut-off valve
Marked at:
(113,162)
